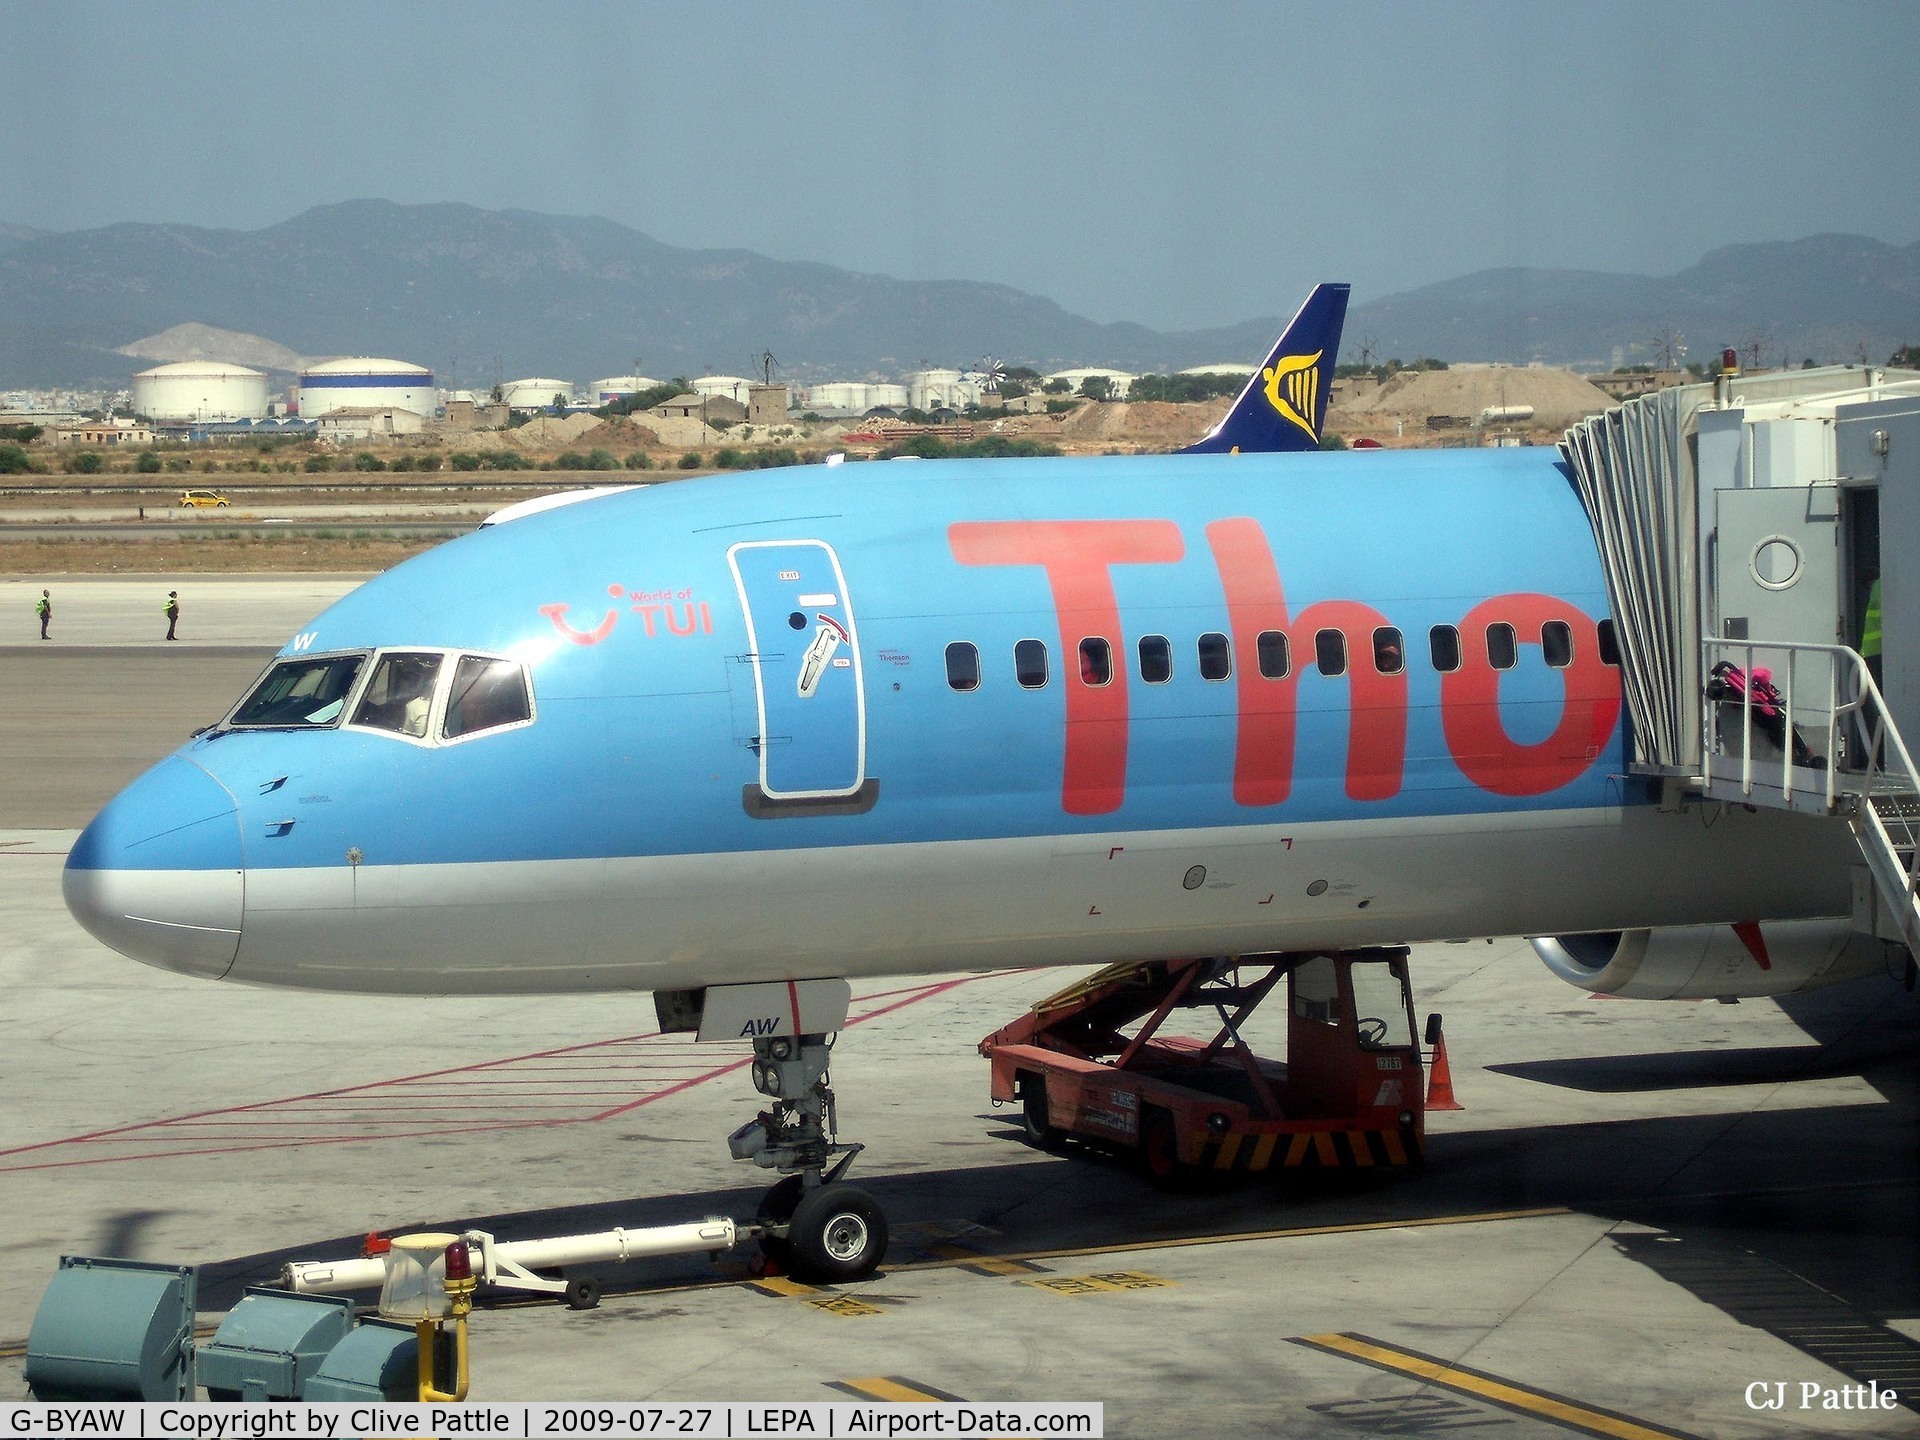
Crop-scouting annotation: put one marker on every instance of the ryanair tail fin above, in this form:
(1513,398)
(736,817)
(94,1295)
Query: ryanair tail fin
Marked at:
(1285,403)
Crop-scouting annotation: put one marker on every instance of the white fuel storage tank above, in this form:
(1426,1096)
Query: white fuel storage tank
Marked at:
(360,381)
(200,390)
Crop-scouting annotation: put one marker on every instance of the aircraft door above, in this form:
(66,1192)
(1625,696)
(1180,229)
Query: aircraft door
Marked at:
(805,655)
(1777,577)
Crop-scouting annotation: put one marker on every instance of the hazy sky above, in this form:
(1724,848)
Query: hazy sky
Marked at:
(1178,164)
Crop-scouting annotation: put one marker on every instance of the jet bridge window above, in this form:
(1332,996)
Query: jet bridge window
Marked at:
(400,693)
(487,694)
(1216,656)
(300,694)
(1503,646)
(963,666)
(1156,659)
(1030,664)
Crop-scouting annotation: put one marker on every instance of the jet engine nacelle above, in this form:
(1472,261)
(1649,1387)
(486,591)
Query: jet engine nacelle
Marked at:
(1714,962)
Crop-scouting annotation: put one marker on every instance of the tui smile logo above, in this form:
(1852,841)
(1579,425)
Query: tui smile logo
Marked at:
(1293,384)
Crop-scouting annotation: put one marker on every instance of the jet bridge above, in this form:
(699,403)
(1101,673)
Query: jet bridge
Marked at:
(1743,522)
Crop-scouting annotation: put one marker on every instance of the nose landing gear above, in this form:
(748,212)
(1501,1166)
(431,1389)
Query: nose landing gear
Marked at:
(811,1223)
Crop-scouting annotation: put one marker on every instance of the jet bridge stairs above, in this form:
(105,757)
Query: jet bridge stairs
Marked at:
(1831,746)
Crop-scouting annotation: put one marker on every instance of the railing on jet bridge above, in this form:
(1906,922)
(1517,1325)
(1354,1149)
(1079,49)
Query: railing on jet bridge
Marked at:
(1856,718)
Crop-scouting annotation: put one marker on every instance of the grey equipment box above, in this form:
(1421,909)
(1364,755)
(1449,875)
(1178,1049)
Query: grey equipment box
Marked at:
(271,1344)
(113,1330)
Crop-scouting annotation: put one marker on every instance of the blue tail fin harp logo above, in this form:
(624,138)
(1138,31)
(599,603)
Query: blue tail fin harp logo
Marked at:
(1298,376)
(1285,400)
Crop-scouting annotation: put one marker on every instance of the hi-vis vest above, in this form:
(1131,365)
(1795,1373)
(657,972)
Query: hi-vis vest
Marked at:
(1870,629)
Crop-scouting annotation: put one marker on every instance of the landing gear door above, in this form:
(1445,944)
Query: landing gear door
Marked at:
(1776,570)
(806,668)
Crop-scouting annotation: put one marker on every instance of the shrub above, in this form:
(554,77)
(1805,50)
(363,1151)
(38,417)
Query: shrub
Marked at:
(178,464)
(401,462)
(85,462)
(318,464)
(367,460)
(932,447)
(503,460)
(426,462)
(14,459)
(602,460)
(639,460)
(463,460)
(690,461)
(148,463)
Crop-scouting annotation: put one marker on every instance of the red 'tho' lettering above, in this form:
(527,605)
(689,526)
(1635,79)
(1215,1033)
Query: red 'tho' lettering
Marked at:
(1077,554)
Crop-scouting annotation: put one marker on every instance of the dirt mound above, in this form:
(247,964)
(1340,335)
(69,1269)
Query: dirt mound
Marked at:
(546,432)
(619,433)
(1150,424)
(1558,397)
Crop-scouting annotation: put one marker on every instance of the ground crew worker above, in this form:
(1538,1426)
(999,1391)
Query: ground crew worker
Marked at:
(1867,719)
(173,611)
(45,611)
(1870,632)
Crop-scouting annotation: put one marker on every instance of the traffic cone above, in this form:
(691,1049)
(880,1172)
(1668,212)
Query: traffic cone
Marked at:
(1440,1080)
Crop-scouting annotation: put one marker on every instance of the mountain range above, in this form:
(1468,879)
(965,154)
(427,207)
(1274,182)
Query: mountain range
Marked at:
(485,294)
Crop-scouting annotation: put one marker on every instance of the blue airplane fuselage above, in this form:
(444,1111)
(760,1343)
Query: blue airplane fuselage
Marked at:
(935,715)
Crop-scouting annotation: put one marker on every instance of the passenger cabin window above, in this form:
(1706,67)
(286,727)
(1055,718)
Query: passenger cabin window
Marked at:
(1556,643)
(1443,644)
(1275,659)
(486,695)
(1609,644)
(400,693)
(1216,656)
(1389,651)
(1330,652)
(1096,661)
(1156,659)
(1030,663)
(1503,647)
(300,694)
(963,666)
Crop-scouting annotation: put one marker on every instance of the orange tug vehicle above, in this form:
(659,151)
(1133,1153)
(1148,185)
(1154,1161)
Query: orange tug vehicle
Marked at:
(1350,1094)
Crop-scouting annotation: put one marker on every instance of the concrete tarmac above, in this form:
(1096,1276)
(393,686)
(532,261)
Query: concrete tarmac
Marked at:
(1644,1209)
(107,694)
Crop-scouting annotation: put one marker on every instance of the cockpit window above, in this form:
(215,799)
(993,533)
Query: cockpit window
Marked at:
(487,694)
(300,694)
(400,693)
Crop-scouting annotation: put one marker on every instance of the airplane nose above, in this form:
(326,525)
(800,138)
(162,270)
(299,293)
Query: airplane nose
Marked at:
(159,874)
